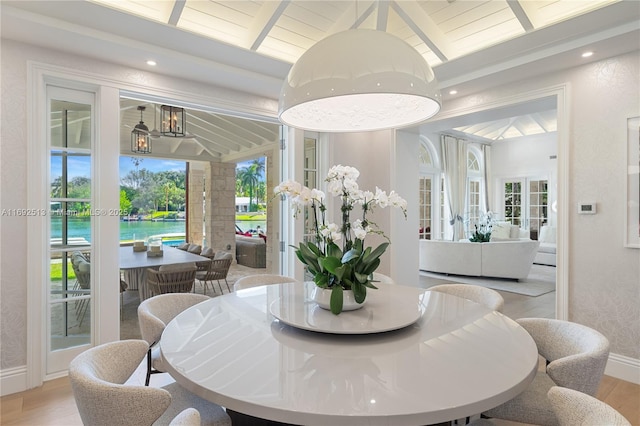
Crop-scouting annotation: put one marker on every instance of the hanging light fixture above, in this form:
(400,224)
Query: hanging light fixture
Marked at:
(359,80)
(172,121)
(140,140)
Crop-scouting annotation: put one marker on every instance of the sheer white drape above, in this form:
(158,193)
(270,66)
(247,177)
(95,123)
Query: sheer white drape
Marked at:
(486,176)
(455,178)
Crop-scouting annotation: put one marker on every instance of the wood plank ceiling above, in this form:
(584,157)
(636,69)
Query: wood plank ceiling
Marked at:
(440,30)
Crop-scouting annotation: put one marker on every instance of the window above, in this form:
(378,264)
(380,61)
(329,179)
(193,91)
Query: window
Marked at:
(538,207)
(473,193)
(428,181)
(513,202)
(425,207)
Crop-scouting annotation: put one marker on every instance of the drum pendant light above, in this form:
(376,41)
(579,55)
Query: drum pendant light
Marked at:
(359,80)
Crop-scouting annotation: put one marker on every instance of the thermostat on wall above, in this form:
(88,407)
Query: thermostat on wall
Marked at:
(587,208)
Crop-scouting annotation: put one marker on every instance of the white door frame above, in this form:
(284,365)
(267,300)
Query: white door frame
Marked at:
(561,93)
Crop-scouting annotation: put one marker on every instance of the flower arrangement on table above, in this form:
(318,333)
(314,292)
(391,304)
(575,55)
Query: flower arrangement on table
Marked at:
(483,229)
(350,267)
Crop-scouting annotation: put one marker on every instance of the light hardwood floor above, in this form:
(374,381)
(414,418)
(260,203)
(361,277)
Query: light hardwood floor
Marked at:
(53,403)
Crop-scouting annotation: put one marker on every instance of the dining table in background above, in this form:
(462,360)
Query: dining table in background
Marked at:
(271,353)
(134,265)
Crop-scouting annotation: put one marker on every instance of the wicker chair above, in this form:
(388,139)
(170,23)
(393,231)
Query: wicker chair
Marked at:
(153,316)
(261,279)
(82,270)
(171,280)
(576,358)
(97,379)
(218,270)
(485,296)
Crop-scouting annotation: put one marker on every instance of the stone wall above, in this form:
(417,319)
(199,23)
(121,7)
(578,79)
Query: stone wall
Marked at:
(220,206)
(196,187)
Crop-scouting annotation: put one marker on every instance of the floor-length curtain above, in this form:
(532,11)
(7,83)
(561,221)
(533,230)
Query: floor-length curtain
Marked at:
(486,177)
(455,179)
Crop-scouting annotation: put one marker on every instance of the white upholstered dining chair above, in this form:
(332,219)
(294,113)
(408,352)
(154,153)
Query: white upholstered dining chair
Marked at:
(98,378)
(576,356)
(576,408)
(153,316)
(261,279)
(485,296)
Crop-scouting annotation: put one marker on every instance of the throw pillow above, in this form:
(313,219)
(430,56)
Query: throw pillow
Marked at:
(547,234)
(500,231)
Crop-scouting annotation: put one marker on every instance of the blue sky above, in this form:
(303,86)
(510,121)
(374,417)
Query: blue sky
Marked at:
(80,166)
(151,164)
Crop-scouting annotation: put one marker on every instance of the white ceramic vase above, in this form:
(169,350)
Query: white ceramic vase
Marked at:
(322,296)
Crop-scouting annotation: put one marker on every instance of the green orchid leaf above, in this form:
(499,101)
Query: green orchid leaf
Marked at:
(321,280)
(315,249)
(370,268)
(362,278)
(335,303)
(330,264)
(350,255)
(370,285)
(334,251)
(375,254)
(359,292)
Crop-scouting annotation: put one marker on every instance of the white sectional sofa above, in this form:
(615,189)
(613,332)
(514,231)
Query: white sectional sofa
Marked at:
(500,259)
(547,251)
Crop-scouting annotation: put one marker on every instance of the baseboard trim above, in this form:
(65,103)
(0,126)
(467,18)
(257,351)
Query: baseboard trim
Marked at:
(623,368)
(13,380)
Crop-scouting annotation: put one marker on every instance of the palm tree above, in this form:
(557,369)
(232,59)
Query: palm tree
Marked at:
(250,176)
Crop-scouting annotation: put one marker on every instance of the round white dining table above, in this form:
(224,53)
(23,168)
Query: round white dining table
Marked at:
(271,353)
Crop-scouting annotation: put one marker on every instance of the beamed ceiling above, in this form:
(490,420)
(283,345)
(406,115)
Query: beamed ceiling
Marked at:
(249,46)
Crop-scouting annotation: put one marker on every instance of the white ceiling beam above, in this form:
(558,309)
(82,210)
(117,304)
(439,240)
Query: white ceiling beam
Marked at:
(209,151)
(507,127)
(247,126)
(264,21)
(216,126)
(176,12)
(425,28)
(383,15)
(517,8)
(540,122)
(218,138)
(348,18)
(362,16)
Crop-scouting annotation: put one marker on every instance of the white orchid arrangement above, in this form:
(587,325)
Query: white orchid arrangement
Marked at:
(349,267)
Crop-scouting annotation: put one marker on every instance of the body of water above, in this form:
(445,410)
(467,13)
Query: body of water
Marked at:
(80,228)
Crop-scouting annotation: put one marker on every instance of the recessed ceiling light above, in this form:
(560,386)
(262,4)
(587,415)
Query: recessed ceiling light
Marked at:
(151,62)
(453,92)
(587,54)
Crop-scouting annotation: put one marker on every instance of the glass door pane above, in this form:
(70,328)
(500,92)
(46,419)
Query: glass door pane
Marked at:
(70,219)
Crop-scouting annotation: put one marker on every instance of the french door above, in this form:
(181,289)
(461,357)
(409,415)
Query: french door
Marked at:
(73,197)
(71,136)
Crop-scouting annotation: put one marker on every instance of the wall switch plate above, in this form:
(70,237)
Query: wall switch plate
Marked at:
(587,208)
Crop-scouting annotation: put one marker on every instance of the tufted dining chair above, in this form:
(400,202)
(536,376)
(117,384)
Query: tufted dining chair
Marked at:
(98,378)
(576,408)
(261,279)
(575,355)
(153,316)
(485,296)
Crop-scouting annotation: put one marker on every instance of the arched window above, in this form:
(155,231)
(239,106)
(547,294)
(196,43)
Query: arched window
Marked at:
(474,188)
(428,187)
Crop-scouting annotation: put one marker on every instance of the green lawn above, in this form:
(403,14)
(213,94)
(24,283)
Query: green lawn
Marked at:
(56,272)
